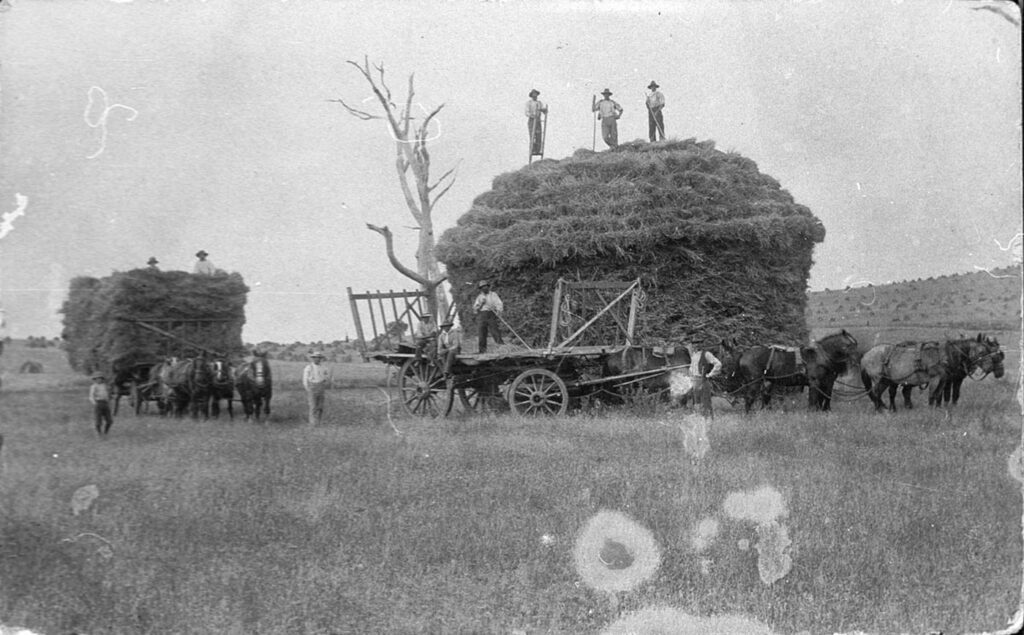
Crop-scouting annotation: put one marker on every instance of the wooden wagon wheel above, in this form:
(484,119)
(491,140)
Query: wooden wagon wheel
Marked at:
(538,391)
(424,391)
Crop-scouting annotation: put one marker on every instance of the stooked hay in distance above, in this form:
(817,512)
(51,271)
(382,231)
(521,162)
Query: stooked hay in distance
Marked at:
(721,249)
(97,336)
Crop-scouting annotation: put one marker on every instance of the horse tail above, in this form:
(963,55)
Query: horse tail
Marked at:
(865,378)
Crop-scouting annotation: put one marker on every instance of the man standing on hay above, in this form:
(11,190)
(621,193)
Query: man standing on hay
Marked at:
(534,108)
(315,379)
(608,111)
(655,121)
(204,266)
(487,307)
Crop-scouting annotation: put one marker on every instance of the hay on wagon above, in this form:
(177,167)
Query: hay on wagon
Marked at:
(98,331)
(721,249)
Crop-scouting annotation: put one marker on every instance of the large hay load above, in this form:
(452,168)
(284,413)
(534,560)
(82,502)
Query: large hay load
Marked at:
(102,315)
(720,248)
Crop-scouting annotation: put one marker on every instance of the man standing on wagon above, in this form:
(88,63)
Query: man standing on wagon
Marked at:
(203,266)
(487,307)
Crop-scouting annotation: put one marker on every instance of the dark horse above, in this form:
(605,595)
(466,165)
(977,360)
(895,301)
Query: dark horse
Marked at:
(965,356)
(185,385)
(760,369)
(222,387)
(255,386)
(665,370)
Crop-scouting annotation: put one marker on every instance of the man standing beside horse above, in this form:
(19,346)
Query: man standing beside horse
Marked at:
(703,367)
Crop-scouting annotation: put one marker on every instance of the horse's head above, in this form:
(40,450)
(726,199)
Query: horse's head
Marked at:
(985,354)
(220,370)
(841,349)
(199,372)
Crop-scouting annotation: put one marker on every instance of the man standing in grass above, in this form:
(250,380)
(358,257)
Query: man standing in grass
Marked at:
(315,379)
(703,366)
(488,307)
(99,397)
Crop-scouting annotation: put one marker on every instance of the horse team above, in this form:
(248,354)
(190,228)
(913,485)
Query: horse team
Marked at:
(755,373)
(199,385)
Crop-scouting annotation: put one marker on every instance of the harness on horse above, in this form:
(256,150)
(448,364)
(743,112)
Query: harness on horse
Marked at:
(780,349)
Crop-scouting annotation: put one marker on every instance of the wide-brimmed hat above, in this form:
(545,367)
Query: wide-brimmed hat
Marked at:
(426,314)
(99,375)
(484,283)
(447,323)
(653,84)
(201,253)
(534,92)
(316,354)
(606,92)
(152,261)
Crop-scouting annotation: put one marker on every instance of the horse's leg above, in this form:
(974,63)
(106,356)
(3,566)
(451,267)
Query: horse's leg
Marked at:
(906,396)
(266,402)
(231,412)
(876,394)
(956,389)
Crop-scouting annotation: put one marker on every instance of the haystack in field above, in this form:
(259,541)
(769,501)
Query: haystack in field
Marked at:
(721,249)
(206,310)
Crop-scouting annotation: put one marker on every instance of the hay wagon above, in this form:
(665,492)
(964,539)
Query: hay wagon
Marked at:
(536,381)
(172,338)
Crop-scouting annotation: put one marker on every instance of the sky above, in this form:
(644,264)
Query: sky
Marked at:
(149,128)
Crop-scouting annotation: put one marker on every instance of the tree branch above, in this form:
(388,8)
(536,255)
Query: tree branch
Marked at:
(389,244)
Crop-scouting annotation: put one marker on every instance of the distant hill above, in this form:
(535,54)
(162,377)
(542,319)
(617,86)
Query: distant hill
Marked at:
(980,301)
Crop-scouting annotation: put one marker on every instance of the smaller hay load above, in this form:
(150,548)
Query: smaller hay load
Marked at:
(720,248)
(102,317)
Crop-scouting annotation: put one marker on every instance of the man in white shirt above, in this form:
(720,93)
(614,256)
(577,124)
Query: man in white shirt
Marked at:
(534,108)
(655,121)
(488,307)
(608,111)
(316,377)
(703,366)
(203,266)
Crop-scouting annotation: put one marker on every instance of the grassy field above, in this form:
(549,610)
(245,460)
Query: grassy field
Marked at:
(897,523)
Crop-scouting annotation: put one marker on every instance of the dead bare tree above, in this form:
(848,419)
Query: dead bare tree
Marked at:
(412,163)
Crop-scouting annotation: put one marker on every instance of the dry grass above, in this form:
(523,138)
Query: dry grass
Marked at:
(905,523)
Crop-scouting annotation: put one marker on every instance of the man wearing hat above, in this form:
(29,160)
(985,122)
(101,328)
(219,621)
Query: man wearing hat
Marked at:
(487,307)
(316,377)
(534,108)
(203,266)
(153,262)
(426,333)
(655,122)
(703,366)
(99,397)
(449,345)
(608,111)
